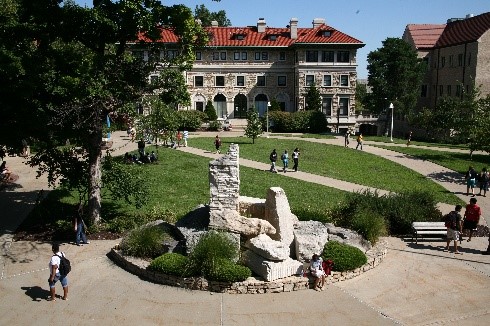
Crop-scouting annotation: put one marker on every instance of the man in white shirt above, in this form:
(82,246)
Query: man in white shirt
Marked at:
(54,274)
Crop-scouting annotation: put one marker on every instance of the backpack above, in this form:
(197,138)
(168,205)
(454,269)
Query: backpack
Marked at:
(65,265)
(450,221)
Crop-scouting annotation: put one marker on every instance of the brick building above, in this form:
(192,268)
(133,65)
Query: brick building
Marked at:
(457,55)
(249,66)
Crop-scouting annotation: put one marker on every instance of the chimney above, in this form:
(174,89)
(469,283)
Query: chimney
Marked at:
(469,16)
(293,28)
(261,25)
(318,21)
(214,23)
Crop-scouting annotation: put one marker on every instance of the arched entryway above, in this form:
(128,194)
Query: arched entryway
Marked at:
(220,105)
(240,106)
(261,104)
(368,129)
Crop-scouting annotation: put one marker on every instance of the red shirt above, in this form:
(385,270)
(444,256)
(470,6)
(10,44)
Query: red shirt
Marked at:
(473,212)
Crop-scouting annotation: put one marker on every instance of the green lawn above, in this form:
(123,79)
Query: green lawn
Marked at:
(383,139)
(337,162)
(316,136)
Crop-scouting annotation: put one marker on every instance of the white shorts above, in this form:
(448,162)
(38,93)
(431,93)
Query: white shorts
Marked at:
(317,273)
(452,234)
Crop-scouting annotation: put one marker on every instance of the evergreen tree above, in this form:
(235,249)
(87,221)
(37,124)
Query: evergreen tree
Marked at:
(210,111)
(254,125)
(313,99)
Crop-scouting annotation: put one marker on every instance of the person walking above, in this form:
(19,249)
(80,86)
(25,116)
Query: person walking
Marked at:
(80,228)
(409,140)
(179,138)
(346,138)
(285,161)
(141,147)
(54,274)
(484,179)
(273,159)
(359,141)
(472,216)
(295,156)
(186,135)
(470,181)
(454,228)
(217,144)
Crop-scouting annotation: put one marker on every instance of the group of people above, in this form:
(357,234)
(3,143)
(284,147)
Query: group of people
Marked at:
(474,179)
(359,139)
(144,158)
(284,159)
(455,223)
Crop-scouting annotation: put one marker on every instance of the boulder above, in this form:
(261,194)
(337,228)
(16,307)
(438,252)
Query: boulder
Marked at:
(348,237)
(309,238)
(232,221)
(271,270)
(267,248)
(278,213)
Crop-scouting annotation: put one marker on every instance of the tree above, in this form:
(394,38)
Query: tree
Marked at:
(210,111)
(313,99)
(361,93)
(275,105)
(395,75)
(70,68)
(254,125)
(206,17)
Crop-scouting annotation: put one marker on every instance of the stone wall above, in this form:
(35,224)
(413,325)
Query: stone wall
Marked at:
(249,286)
(224,182)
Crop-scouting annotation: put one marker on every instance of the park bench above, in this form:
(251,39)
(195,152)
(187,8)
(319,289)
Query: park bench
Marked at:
(421,229)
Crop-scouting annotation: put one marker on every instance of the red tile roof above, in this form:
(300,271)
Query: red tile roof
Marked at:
(464,31)
(227,36)
(425,36)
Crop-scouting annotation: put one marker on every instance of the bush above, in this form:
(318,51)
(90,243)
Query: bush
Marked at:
(368,223)
(144,242)
(301,121)
(210,111)
(214,125)
(345,257)
(171,264)
(190,119)
(224,270)
(212,247)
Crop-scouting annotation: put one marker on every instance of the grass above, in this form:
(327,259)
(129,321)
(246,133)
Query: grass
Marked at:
(315,136)
(458,162)
(403,141)
(338,162)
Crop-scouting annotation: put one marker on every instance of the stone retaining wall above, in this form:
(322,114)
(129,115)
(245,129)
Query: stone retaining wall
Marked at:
(250,286)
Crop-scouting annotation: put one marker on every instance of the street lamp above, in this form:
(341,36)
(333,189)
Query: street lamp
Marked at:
(391,130)
(267,119)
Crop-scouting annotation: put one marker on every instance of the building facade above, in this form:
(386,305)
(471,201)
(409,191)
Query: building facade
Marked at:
(457,56)
(245,67)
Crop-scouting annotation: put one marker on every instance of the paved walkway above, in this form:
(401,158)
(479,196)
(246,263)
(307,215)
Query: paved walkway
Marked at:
(415,285)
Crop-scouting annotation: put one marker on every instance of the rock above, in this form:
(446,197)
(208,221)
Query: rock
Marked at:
(267,248)
(348,237)
(278,213)
(270,270)
(251,207)
(230,220)
(310,238)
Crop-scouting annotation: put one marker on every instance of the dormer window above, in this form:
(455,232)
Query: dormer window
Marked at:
(272,37)
(326,33)
(239,37)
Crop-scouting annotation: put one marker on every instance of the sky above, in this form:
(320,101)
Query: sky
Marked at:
(370,21)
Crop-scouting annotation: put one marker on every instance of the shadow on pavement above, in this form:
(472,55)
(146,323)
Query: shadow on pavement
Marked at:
(448,176)
(439,251)
(36,293)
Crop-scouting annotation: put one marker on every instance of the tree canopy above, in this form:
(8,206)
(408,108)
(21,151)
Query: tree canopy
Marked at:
(313,99)
(206,17)
(254,125)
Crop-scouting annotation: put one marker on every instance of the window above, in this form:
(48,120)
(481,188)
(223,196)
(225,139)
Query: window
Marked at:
(281,80)
(460,60)
(240,56)
(272,37)
(282,56)
(219,56)
(239,37)
(343,106)
(344,80)
(198,81)
(448,90)
(326,33)
(236,56)
(342,56)
(200,106)
(261,55)
(219,81)
(198,56)
(310,80)
(451,60)
(311,56)
(171,54)
(260,80)
(441,90)
(327,80)
(244,55)
(139,55)
(215,56)
(222,55)
(458,90)
(328,56)
(240,80)
(443,62)
(327,106)
(423,91)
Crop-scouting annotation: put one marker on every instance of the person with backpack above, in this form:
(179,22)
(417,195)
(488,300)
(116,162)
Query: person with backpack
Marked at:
(273,159)
(59,267)
(484,179)
(470,181)
(452,221)
(471,217)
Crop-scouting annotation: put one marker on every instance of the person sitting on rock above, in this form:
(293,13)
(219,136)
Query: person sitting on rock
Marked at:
(316,270)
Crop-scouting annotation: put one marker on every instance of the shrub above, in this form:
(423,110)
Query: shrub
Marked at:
(224,270)
(345,257)
(214,125)
(211,247)
(144,242)
(171,264)
(190,119)
(301,121)
(210,111)
(370,224)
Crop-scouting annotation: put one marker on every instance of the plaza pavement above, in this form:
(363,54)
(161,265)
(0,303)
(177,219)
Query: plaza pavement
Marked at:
(417,284)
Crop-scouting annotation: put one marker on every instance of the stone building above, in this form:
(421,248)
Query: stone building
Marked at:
(250,66)
(457,55)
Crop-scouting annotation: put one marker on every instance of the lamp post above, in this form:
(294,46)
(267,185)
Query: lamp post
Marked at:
(267,119)
(391,130)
